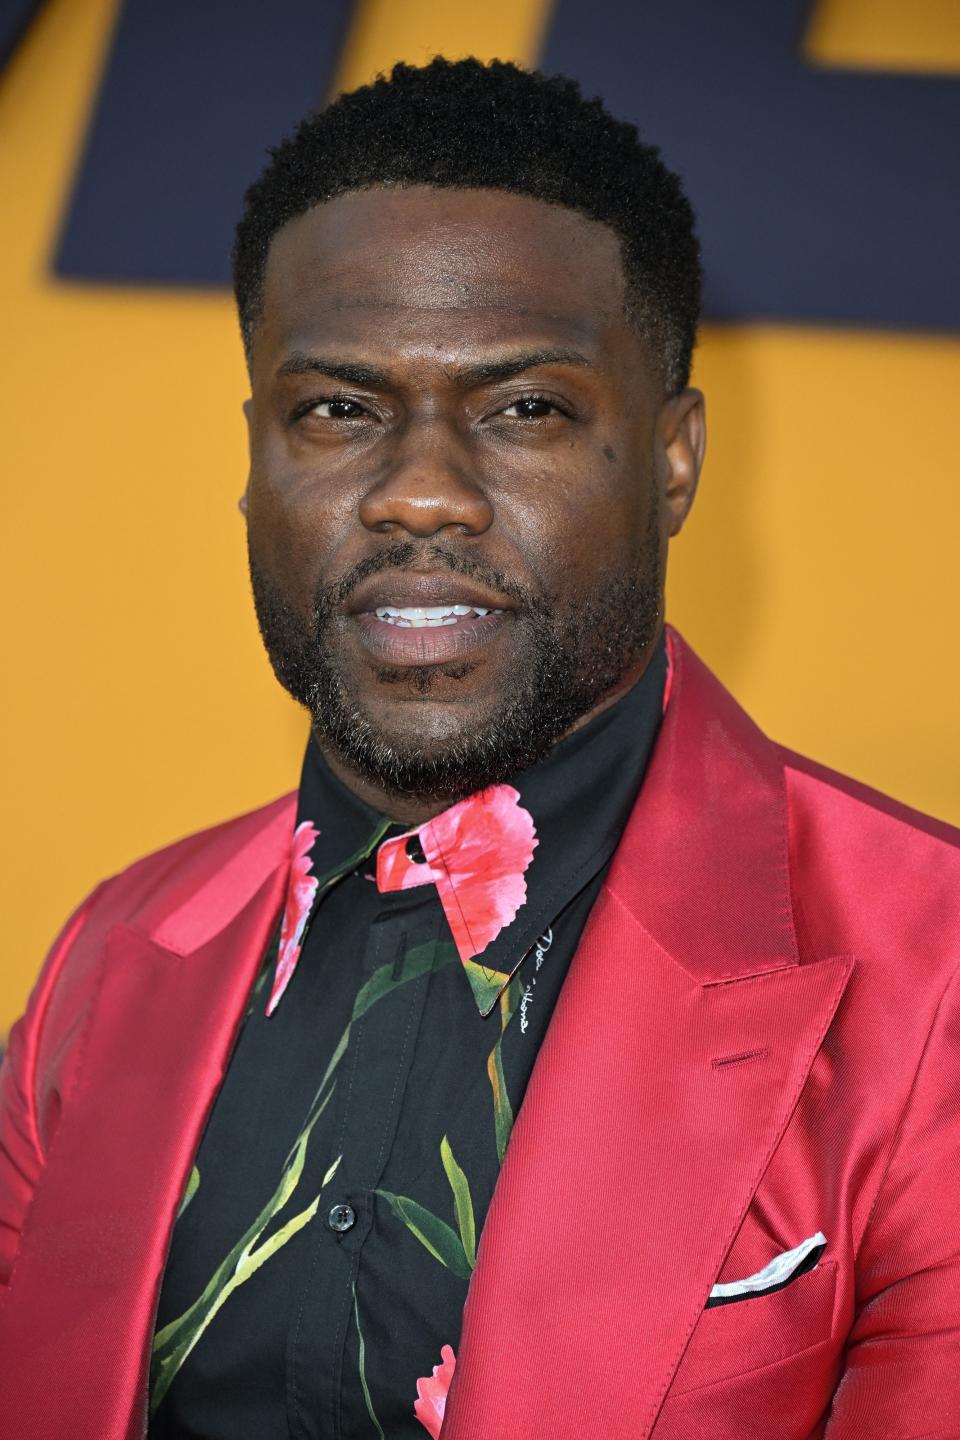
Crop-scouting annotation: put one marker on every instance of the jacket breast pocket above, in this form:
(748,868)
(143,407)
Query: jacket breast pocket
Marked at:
(730,1340)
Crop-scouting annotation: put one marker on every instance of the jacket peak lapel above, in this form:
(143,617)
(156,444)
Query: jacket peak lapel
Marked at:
(703,864)
(652,1114)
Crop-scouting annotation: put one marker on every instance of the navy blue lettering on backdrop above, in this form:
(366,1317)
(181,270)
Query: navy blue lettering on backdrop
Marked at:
(823,195)
(15,18)
(192,96)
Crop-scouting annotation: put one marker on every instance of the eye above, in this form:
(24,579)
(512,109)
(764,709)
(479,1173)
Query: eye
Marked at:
(337,407)
(531,407)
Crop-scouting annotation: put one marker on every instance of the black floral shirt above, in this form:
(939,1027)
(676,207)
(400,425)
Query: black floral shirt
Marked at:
(325,1241)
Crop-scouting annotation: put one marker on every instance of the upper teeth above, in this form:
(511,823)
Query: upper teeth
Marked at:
(419,615)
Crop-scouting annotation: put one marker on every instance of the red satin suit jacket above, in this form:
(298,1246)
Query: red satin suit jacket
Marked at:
(779,1055)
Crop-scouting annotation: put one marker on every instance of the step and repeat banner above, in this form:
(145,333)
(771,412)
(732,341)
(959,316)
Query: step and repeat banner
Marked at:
(819,573)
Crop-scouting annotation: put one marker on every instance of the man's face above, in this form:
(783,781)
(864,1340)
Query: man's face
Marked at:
(463,477)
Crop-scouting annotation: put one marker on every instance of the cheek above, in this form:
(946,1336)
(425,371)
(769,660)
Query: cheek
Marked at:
(578,522)
(293,535)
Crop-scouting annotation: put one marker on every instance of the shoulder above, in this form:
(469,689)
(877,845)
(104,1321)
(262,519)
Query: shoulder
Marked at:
(867,875)
(861,827)
(168,896)
(830,793)
(870,875)
(215,867)
(144,892)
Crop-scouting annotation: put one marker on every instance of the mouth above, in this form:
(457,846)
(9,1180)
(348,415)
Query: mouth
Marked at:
(422,617)
(439,635)
(414,619)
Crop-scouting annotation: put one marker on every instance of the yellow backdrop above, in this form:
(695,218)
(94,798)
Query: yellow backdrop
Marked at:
(818,574)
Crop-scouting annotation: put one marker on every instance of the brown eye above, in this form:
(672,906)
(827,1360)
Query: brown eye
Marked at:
(531,407)
(336,410)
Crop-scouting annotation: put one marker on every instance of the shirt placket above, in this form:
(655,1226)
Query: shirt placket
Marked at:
(370,1087)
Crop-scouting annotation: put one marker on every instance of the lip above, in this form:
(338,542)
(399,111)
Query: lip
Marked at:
(409,587)
(440,645)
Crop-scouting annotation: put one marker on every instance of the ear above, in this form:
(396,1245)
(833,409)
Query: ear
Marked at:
(242,502)
(681,440)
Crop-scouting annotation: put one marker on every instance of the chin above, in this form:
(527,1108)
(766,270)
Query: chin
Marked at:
(427,725)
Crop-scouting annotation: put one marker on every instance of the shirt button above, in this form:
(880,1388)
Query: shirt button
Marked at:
(341,1218)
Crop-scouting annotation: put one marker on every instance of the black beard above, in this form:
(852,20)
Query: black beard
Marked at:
(566,660)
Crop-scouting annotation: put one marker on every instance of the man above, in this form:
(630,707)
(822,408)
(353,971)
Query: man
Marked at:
(558,992)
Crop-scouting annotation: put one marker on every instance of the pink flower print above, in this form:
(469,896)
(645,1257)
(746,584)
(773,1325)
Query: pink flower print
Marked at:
(301,888)
(432,1393)
(397,870)
(481,849)
(477,853)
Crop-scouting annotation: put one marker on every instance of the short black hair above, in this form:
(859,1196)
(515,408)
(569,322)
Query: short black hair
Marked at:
(494,127)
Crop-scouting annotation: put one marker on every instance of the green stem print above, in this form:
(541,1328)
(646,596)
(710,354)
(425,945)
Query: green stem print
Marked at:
(174,1342)
(193,1185)
(366,850)
(433,1233)
(362,1364)
(485,984)
(502,1109)
(416,962)
(457,1252)
(266,970)
(462,1201)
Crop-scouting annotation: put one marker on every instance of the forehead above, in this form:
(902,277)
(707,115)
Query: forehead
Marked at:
(420,261)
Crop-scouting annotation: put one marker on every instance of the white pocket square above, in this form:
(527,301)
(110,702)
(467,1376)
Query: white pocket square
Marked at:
(774,1276)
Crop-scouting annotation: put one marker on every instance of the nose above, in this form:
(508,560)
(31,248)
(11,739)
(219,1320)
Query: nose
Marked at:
(428,486)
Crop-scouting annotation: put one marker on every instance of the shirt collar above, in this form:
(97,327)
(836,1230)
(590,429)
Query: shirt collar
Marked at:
(504,861)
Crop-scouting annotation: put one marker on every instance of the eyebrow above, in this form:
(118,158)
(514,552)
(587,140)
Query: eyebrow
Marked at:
(299,363)
(489,370)
(483,373)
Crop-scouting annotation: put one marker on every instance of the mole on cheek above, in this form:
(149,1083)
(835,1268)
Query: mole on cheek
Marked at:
(609,454)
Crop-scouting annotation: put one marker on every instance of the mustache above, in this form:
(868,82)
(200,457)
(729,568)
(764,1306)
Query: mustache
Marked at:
(406,555)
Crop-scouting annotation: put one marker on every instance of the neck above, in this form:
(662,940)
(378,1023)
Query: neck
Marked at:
(409,810)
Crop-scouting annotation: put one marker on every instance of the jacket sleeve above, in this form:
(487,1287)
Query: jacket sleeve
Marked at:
(902,1371)
(21,1151)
